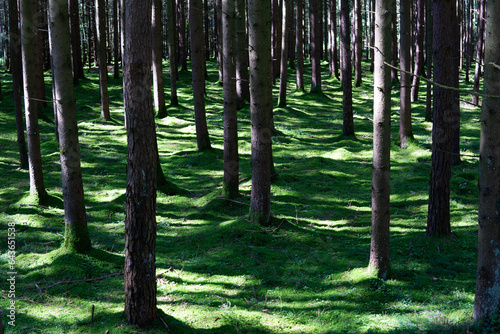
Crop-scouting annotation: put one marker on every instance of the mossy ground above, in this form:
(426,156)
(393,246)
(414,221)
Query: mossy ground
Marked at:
(217,272)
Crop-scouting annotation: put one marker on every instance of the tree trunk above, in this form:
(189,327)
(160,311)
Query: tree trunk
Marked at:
(103,64)
(76,49)
(76,236)
(156,30)
(218,36)
(231,163)
(17,72)
(455,111)
(438,220)
(334,68)
(242,88)
(379,249)
(479,49)
(28,37)
(299,41)
(116,46)
(345,45)
(259,20)
(39,91)
(140,221)
(405,132)
(358,42)
(488,274)
(315,19)
(419,49)
(198,73)
(181,30)
(172,54)
(276,37)
(429,62)
(284,54)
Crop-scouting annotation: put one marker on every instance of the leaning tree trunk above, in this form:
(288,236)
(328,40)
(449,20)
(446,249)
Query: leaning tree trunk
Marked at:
(259,22)
(488,274)
(140,219)
(379,249)
(76,236)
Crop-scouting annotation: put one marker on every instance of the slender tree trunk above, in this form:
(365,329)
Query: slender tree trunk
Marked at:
(76,50)
(379,249)
(242,87)
(291,37)
(429,62)
(38,58)
(468,59)
(455,111)
(28,36)
(172,53)
(405,131)
(140,219)
(315,19)
(76,236)
(218,36)
(207,30)
(158,87)
(181,29)
(261,108)
(276,37)
(419,49)
(284,54)
(299,41)
(198,73)
(479,49)
(116,47)
(231,161)
(438,220)
(488,273)
(345,43)
(358,41)
(334,67)
(395,53)
(103,64)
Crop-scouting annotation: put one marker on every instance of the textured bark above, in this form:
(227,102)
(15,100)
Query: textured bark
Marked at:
(379,249)
(438,219)
(101,52)
(231,162)
(429,33)
(16,70)
(346,66)
(156,38)
(315,19)
(36,22)
(479,49)
(140,221)
(76,236)
(277,6)
(172,54)
(218,36)
(28,36)
(181,30)
(198,73)
(455,108)
(284,54)
(405,131)
(207,29)
(334,67)
(488,274)
(358,42)
(419,49)
(116,44)
(76,49)
(299,41)
(242,86)
(259,20)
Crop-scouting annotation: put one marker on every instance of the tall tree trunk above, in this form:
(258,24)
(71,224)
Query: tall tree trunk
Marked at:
(299,41)
(231,163)
(405,132)
(38,58)
(116,46)
(468,58)
(429,62)
(419,49)
(259,20)
(438,219)
(76,236)
(379,249)
(242,87)
(488,268)
(28,36)
(479,49)
(358,41)
(181,30)
(207,30)
(345,46)
(315,19)
(140,219)
(218,36)
(17,72)
(172,54)
(334,68)
(455,111)
(76,50)
(156,30)
(277,7)
(198,73)
(395,53)
(284,53)
(103,64)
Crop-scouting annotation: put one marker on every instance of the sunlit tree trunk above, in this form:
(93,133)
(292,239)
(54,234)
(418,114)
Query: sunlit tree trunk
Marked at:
(103,64)
(299,41)
(419,49)
(140,219)
(284,53)
(488,272)
(405,131)
(379,249)
(242,86)
(156,29)
(76,235)
(479,49)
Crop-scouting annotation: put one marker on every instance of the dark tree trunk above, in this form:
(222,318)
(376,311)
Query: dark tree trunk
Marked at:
(284,53)
(101,52)
(181,29)
(405,131)
(140,220)
(231,161)
(38,58)
(487,292)
(379,249)
(468,58)
(198,73)
(345,43)
(438,220)
(242,87)
(116,46)
(207,29)
(358,42)
(218,36)
(419,49)
(276,37)
(291,37)
(315,19)
(76,49)
(455,111)
(429,62)
(76,236)
(172,54)
(299,41)
(334,67)
(479,49)
(261,108)
(156,38)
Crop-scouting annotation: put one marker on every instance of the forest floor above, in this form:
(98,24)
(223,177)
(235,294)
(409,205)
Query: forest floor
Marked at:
(217,273)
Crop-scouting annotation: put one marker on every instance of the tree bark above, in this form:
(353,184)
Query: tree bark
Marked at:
(156,38)
(76,236)
(181,30)
(231,160)
(488,274)
(284,54)
(116,44)
(76,49)
(299,41)
(405,131)
(140,220)
(259,20)
(438,220)
(479,49)
(429,62)
(334,68)
(379,249)
(198,73)
(315,19)
(455,111)
(103,64)
(345,45)
(242,87)
(174,101)
(419,49)
(358,42)
(277,7)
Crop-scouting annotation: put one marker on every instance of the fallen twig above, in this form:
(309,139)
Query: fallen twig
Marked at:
(88,280)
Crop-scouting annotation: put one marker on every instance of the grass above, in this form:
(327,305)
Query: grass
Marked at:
(217,273)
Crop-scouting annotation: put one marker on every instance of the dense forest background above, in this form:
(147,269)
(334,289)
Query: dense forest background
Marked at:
(237,166)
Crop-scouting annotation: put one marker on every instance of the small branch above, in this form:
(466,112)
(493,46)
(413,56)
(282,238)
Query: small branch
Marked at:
(88,280)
